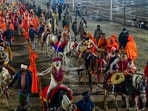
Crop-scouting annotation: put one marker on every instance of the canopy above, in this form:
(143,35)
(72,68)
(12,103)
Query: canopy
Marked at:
(53,2)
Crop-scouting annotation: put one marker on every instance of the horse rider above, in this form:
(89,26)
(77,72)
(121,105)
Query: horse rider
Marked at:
(45,33)
(113,63)
(112,45)
(103,42)
(131,68)
(64,39)
(89,48)
(56,77)
(24,78)
(66,35)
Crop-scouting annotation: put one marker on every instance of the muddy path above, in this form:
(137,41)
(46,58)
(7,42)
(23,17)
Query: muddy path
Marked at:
(21,55)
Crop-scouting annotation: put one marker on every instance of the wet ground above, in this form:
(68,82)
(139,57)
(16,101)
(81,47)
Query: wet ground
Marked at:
(20,54)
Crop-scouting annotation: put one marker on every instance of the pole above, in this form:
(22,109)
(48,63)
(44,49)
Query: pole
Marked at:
(73,2)
(124,16)
(111,10)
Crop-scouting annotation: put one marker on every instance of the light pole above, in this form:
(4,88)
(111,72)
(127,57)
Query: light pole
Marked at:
(111,10)
(124,14)
(73,4)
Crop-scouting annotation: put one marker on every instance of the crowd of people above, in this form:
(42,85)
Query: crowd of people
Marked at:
(16,17)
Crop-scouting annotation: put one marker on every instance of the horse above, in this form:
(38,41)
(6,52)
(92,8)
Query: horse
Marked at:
(138,90)
(5,79)
(47,39)
(127,86)
(60,98)
(5,47)
(56,45)
(94,62)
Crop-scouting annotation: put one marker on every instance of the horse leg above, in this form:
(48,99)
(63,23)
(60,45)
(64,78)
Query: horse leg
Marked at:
(137,102)
(127,102)
(143,99)
(105,100)
(6,98)
(42,48)
(89,81)
(115,101)
(47,50)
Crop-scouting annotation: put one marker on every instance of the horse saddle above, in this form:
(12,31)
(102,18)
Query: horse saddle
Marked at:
(65,102)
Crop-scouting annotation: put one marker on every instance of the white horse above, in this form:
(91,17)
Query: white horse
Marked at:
(48,41)
(4,80)
(139,84)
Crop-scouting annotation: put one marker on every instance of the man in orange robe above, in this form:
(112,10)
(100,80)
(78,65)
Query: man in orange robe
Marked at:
(131,48)
(2,23)
(25,22)
(35,22)
(103,42)
(25,34)
(113,43)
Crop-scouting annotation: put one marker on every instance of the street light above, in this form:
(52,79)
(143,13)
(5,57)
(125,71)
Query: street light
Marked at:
(73,5)
(111,10)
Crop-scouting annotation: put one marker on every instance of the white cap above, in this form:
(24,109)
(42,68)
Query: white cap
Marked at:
(24,66)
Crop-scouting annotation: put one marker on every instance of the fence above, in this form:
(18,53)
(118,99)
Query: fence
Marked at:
(129,13)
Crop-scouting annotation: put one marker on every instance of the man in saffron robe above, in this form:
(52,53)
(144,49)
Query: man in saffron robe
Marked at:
(113,43)
(131,48)
(103,41)
(25,34)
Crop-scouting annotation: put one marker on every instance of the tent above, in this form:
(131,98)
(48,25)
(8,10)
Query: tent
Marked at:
(53,2)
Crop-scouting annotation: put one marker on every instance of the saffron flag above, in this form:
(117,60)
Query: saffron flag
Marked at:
(32,67)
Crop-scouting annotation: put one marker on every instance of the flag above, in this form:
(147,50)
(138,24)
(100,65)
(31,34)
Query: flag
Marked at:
(32,67)
(59,46)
